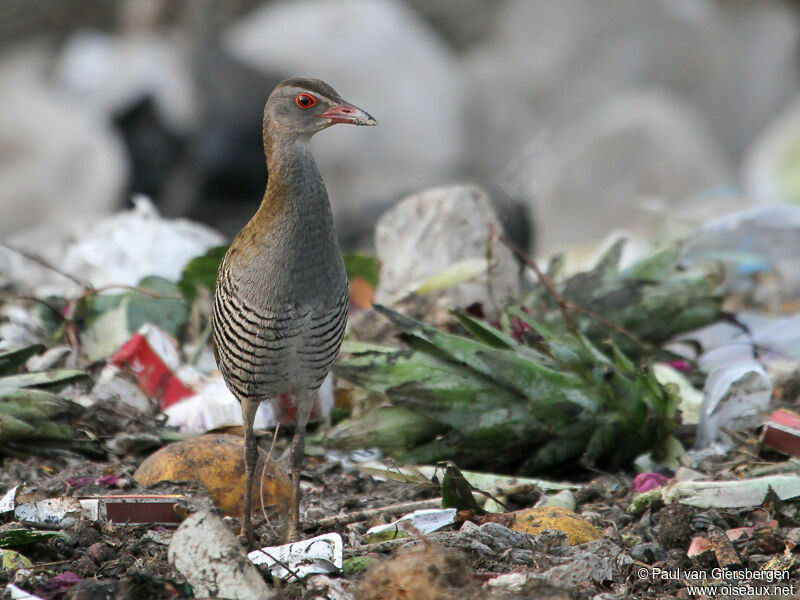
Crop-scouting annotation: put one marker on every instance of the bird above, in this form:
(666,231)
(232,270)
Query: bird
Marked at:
(281,296)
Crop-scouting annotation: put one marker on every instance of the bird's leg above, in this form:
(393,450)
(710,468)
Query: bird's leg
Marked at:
(250,459)
(298,454)
(304,403)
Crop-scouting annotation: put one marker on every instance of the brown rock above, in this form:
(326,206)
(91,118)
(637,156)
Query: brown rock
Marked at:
(100,552)
(675,529)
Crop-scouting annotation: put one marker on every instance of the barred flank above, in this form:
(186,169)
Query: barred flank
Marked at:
(263,352)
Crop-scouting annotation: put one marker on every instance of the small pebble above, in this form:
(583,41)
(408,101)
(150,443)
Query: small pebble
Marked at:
(84,567)
(648,553)
(675,526)
(87,534)
(315,513)
(100,552)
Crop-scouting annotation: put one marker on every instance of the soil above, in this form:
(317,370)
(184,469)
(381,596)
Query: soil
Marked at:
(93,561)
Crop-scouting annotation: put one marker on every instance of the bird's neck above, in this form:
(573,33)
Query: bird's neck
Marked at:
(286,157)
(294,183)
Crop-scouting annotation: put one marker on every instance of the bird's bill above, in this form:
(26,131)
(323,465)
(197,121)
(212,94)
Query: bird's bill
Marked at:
(347,113)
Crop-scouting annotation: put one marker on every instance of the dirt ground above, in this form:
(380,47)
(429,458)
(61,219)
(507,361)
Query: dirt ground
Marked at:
(93,561)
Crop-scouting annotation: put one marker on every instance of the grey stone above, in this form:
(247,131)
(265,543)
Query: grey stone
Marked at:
(462,23)
(648,553)
(749,70)
(213,561)
(438,228)
(629,163)
(546,63)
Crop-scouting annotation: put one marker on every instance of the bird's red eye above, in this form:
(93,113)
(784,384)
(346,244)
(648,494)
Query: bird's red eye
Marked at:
(304,100)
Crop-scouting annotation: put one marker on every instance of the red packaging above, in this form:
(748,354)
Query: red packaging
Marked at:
(782,432)
(133,509)
(148,354)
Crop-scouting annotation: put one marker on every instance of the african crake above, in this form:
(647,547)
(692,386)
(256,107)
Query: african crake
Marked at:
(280,305)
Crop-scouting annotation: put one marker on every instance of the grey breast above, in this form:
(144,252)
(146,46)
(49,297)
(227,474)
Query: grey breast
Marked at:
(286,344)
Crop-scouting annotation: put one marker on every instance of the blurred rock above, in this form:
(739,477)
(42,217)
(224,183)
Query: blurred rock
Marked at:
(217,173)
(546,63)
(155,153)
(435,229)
(772,167)
(379,55)
(228,170)
(153,110)
(213,561)
(186,14)
(111,73)
(24,18)
(734,60)
(461,22)
(750,70)
(356,227)
(192,127)
(117,250)
(648,553)
(629,162)
(61,160)
(56,18)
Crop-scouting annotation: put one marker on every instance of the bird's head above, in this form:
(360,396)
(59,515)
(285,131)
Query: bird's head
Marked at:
(301,107)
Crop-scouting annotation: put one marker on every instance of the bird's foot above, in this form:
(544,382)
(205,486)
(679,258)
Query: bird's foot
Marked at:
(247,538)
(292,535)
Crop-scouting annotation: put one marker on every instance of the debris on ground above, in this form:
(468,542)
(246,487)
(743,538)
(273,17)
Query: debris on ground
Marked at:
(217,461)
(213,561)
(736,399)
(424,520)
(425,571)
(613,454)
(782,432)
(297,560)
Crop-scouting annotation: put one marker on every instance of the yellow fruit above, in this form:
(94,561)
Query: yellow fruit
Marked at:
(217,461)
(535,520)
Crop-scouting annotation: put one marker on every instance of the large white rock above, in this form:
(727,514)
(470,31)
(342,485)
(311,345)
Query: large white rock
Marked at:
(60,160)
(630,163)
(379,55)
(110,73)
(438,228)
(547,63)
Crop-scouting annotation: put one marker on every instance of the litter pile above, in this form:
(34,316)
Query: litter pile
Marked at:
(623,432)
